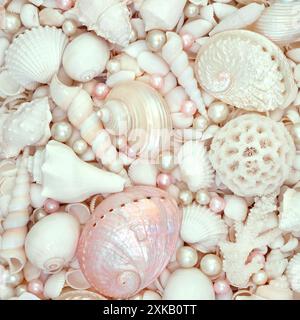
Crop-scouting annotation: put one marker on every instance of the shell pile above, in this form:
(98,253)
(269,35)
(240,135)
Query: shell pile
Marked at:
(149,149)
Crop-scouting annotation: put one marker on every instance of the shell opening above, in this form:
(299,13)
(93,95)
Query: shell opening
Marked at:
(54,265)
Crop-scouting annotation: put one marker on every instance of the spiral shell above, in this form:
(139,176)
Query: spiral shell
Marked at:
(35,56)
(293,273)
(129,241)
(246,70)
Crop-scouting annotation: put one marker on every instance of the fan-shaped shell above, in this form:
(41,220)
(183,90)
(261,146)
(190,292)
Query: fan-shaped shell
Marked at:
(35,55)
(246,70)
(202,228)
(293,273)
(129,241)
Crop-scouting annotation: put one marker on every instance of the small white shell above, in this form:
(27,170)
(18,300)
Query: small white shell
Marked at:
(51,243)
(54,285)
(80,211)
(29,16)
(142,172)
(76,280)
(293,273)
(236,208)
(202,228)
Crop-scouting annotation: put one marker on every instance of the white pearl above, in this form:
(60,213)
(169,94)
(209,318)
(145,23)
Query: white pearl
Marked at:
(155,40)
(69,27)
(61,131)
(166,162)
(236,208)
(113,66)
(211,265)
(12,22)
(186,197)
(202,197)
(80,146)
(218,112)
(200,123)
(15,279)
(191,10)
(186,257)
(260,278)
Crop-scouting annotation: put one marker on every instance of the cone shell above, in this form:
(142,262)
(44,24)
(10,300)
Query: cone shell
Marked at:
(202,228)
(129,241)
(246,70)
(35,56)
(293,273)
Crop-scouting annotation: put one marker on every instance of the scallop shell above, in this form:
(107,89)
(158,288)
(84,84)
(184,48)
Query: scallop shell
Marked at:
(293,273)
(129,241)
(80,295)
(246,70)
(280,22)
(142,172)
(202,228)
(35,56)
(140,113)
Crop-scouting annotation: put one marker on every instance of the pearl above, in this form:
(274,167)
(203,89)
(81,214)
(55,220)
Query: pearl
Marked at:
(113,66)
(69,27)
(186,257)
(35,287)
(211,265)
(166,162)
(51,206)
(100,91)
(221,287)
(236,208)
(187,40)
(295,130)
(39,214)
(15,279)
(203,197)
(191,10)
(20,289)
(61,131)
(200,123)
(218,112)
(164,180)
(131,153)
(64,4)
(186,197)
(189,108)
(80,146)
(260,278)
(12,22)
(155,40)
(217,204)
(156,81)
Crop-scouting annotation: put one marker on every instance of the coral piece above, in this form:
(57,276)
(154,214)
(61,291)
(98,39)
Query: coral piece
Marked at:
(293,274)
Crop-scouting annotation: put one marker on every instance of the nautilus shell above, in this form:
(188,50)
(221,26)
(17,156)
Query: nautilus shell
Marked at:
(138,112)
(129,241)
(246,70)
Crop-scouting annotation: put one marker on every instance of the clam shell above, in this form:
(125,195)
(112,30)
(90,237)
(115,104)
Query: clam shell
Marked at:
(35,56)
(246,70)
(202,228)
(293,273)
(80,295)
(129,241)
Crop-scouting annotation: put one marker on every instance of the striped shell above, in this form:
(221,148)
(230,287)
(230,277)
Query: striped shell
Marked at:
(246,70)
(293,272)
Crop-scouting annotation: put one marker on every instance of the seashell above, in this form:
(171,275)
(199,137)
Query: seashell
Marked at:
(161,15)
(195,167)
(188,284)
(222,10)
(246,295)
(80,295)
(218,68)
(80,211)
(76,280)
(4,44)
(8,86)
(138,112)
(36,198)
(28,296)
(292,272)
(85,57)
(135,48)
(152,63)
(275,264)
(51,243)
(31,272)
(15,6)
(129,241)
(120,77)
(197,28)
(54,285)
(36,65)
(294,54)
(29,16)
(51,17)
(54,168)
(142,172)
(280,22)
(202,228)
(277,289)
(109,19)
(28,126)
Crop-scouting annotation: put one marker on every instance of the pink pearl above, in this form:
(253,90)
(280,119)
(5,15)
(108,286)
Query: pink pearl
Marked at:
(35,287)
(51,206)
(187,40)
(101,90)
(221,287)
(164,180)
(189,108)
(130,153)
(157,81)
(217,204)
(64,4)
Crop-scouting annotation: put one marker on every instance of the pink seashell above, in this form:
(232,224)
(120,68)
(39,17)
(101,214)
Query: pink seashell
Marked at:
(129,241)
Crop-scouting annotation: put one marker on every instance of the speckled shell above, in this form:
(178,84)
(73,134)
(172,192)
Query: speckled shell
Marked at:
(246,70)
(129,241)
(35,56)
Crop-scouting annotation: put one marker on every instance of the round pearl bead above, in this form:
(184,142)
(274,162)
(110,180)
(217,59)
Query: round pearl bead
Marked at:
(51,206)
(217,204)
(80,146)
(186,257)
(200,123)
(218,112)
(221,287)
(12,22)
(15,279)
(191,10)
(61,131)
(35,287)
(260,278)
(100,91)
(211,265)
(295,130)
(39,214)
(156,81)
(155,40)
(166,162)
(187,40)
(69,27)
(203,197)
(164,180)
(113,66)
(186,197)
(64,4)
(189,108)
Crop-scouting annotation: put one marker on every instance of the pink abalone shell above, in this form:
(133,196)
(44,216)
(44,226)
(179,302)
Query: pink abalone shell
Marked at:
(129,240)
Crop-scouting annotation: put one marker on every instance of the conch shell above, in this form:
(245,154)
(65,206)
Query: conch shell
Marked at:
(246,70)
(129,241)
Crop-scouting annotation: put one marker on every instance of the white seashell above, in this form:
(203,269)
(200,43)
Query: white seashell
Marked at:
(4,44)
(76,280)
(54,285)
(51,243)
(8,86)
(202,228)
(153,63)
(294,54)
(280,22)
(196,169)
(80,211)
(236,208)
(136,48)
(51,17)
(80,295)
(29,16)
(207,13)
(275,264)
(37,200)
(293,273)
(218,69)
(161,15)
(31,272)
(15,6)
(120,77)
(85,57)
(188,284)
(223,10)
(142,172)
(197,28)
(277,289)
(28,60)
